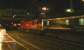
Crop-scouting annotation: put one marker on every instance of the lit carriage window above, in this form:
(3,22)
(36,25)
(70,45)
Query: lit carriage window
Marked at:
(67,22)
(81,21)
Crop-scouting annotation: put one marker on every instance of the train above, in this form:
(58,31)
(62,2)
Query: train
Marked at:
(30,25)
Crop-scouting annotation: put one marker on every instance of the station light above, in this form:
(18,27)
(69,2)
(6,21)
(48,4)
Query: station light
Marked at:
(44,8)
(14,15)
(69,10)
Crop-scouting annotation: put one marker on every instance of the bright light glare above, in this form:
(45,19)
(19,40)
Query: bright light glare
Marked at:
(44,8)
(83,0)
(68,10)
(2,33)
(0,46)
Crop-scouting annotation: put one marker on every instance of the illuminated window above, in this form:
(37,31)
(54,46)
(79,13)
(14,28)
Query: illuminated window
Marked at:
(67,22)
(81,21)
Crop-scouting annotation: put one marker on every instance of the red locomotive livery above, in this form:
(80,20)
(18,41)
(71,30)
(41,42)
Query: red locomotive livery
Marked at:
(30,25)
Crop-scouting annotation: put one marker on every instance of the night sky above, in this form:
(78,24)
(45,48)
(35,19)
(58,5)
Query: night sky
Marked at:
(4,3)
(30,3)
(54,5)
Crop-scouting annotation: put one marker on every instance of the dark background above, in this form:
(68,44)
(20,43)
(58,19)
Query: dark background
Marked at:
(55,6)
